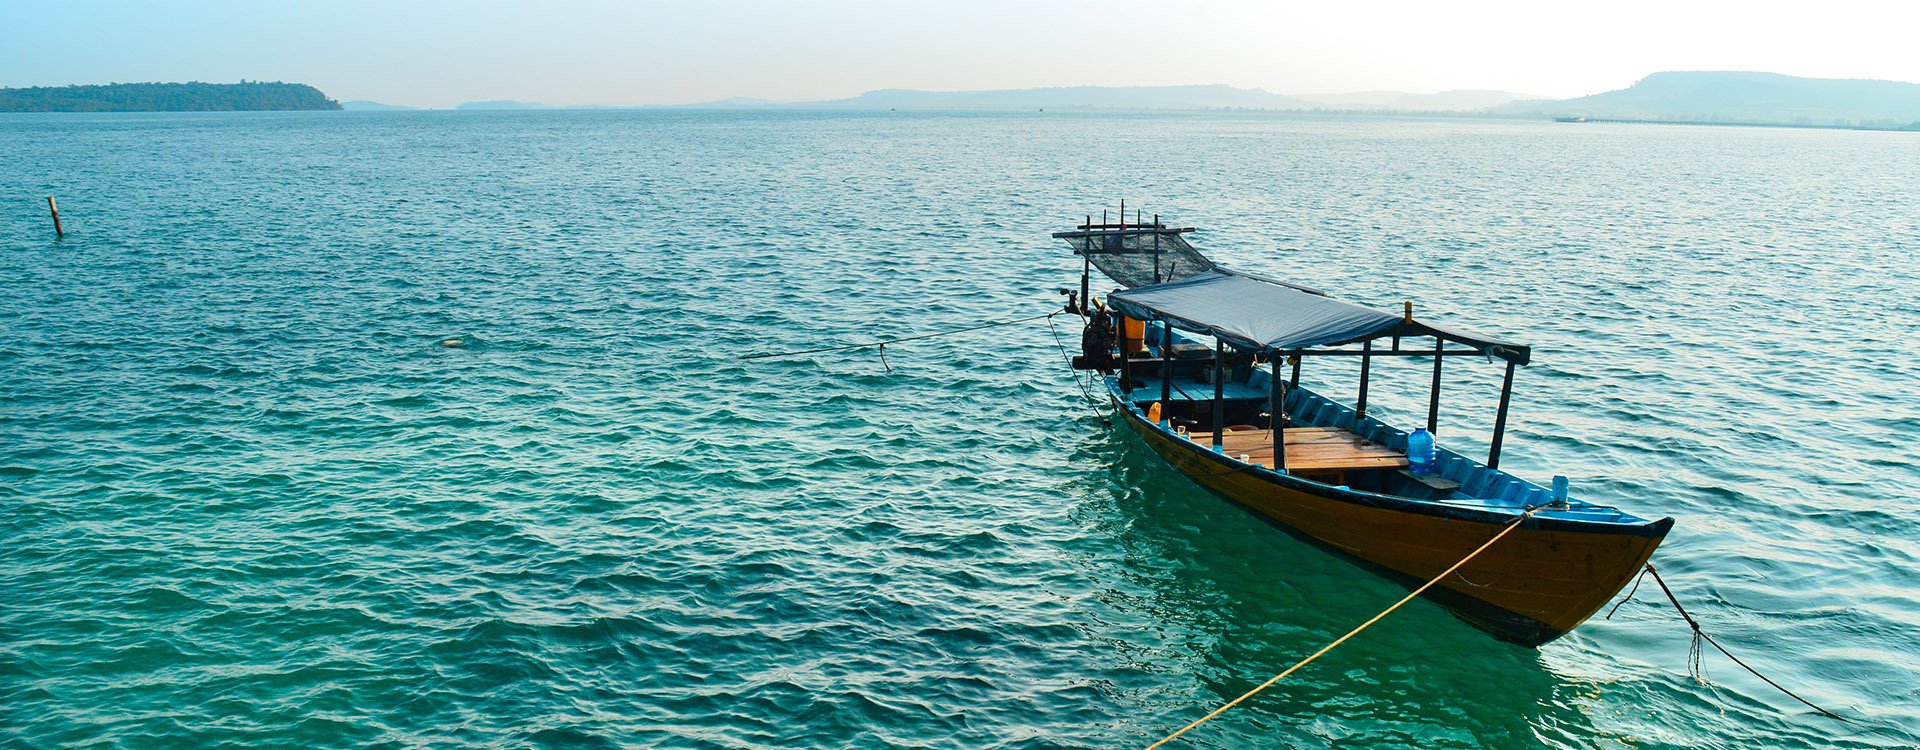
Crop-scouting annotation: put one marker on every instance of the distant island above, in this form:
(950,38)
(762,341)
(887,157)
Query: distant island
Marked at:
(1743,98)
(245,96)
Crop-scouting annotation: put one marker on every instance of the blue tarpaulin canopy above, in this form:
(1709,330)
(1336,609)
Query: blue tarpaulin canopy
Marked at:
(1264,315)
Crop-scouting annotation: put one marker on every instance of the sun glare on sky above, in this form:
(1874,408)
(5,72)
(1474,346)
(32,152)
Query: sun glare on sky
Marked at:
(608,52)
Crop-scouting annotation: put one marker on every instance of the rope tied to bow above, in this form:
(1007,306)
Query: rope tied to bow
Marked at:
(1693,648)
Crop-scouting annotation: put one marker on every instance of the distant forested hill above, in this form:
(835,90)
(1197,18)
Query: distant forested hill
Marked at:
(244,96)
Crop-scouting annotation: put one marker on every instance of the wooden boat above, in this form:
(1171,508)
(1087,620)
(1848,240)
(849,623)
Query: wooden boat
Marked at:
(1192,354)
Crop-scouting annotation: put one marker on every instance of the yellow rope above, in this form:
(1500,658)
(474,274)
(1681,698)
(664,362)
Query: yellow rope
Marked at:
(1515,523)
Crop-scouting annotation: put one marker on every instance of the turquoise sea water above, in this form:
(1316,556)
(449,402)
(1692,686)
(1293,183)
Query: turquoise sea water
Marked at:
(249,499)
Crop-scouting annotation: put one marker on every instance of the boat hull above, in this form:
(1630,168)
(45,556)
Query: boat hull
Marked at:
(1538,583)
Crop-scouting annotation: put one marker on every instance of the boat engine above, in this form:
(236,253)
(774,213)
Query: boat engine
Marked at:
(1096,345)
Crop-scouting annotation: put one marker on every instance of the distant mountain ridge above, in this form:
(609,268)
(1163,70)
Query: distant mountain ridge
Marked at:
(1074,97)
(362,105)
(1459,100)
(501,104)
(1725,97)
(1743,97)
(1199,97)
(193,96)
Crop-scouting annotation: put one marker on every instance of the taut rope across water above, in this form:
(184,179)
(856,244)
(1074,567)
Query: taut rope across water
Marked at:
(1693,657)
(1511,525)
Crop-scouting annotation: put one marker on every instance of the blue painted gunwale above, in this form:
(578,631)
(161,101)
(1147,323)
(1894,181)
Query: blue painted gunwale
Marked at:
(1579,517)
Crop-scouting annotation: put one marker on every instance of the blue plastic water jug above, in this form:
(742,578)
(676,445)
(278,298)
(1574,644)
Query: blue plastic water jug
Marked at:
(1420,451)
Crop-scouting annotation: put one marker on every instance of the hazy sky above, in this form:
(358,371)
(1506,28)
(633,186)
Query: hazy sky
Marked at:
(581,51)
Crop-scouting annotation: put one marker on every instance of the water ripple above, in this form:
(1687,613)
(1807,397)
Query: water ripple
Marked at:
(252,497)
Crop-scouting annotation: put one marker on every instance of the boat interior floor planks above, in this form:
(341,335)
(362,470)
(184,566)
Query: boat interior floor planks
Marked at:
(1309,449)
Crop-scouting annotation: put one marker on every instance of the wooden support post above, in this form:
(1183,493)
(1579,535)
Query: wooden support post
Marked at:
(1156,249)
(1500,419)
(1433,400)
(1366,370)
(1405,319)
(1277,396)
(1294,380)
(1086,273)
(55,208)
(1166,373)
(1126,357)
(1219,397)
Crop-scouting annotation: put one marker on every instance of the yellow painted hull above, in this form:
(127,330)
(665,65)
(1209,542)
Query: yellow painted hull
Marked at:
(1532,587)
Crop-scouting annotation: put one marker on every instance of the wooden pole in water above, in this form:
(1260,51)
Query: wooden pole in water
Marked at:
(55,208)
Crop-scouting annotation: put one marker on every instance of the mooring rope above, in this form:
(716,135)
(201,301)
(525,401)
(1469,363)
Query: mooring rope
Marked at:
(882,344)
(1693,649)
(1511,525)
(1092,403)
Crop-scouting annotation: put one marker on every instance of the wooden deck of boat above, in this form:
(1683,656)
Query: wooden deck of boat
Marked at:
(1310,449)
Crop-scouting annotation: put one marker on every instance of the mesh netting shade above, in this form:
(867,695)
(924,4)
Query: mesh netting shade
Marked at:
(1130,257)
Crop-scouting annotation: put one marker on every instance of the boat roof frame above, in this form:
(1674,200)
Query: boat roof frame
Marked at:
(1139,302)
